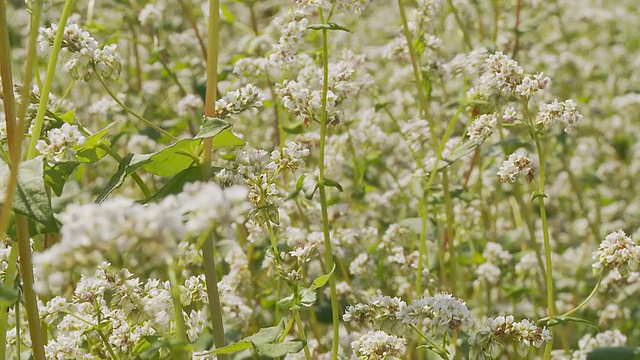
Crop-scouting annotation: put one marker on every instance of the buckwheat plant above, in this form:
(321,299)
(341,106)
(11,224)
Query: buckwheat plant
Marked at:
(319,179)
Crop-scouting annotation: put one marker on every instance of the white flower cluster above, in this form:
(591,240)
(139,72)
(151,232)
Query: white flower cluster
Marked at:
(248,97)
(489,341)
(482,127)
(510,79)
(292,36)
(86,53)
(441,312)
(564,112)
(518,163)
(60,143)
(378,345)
(616,251)
(118,228)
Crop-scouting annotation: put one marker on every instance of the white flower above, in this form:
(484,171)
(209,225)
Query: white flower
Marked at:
(482,127)
(616,251)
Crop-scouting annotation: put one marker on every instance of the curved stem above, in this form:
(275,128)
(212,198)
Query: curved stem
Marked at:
(141,184)
(442,352)
(335,311)
(129,110)
(300,326)
(585,301)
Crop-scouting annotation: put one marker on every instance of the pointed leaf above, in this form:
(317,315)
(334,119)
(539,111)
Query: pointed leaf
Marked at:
(267,335)
(56,175)
(8,296)
(321,280)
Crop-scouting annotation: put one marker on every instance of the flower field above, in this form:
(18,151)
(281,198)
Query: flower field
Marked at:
(319,179)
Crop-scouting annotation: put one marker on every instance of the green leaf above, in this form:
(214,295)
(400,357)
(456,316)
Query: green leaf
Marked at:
(458,153)
(116,179)
(295,128)
(328,26)
(536,194)
(308,297)
(615,352)
(211,127)
(56,176)
(92,150)
(31,198)
(333,183)
(267,335)
(285,303)
(233,348)
(227,139)
(280,349)
(8,296)
(168,161)
(564,319)
(321,280)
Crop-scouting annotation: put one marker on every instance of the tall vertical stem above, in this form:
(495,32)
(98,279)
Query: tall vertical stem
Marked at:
(208,255)
(335,311)
(547,242)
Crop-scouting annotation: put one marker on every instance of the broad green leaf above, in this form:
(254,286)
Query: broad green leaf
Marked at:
(227,139)
(211,127)
(285,303)
(321,280)
(31,198)
(168,161)
(8,296)
(68,117)
(280,349)
(615,352)
(267,335)
(56,176)
(204,342)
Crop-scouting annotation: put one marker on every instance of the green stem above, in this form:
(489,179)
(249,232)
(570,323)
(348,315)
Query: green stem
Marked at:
(129,110)
(585,301)
(29,295)
(547,242)
(181,328)
(296,315)
(48,80)
(463,28)
(335,311)
(211,277)
(440,351)
(449,230)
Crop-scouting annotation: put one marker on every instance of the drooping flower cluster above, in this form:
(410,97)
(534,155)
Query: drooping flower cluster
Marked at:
(87,58)
(60,143)
(518,163)
(564,112)
(616,251)
(490,340)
